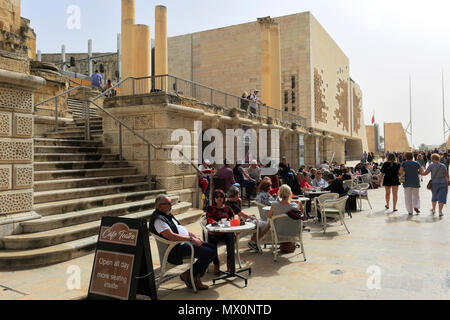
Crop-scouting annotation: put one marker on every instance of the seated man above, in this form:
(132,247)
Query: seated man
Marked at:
(226,173)
(335,185)
(164,225)
(234,202)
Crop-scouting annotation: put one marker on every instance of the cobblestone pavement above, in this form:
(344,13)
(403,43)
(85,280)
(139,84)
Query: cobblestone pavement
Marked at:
(387,256)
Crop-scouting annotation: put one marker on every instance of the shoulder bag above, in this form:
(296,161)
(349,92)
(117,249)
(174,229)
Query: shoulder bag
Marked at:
(429,185)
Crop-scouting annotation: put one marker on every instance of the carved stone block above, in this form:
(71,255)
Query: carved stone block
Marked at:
(23,176)
(19,100)
(23,125)
(16,201)
(5,124)
(5,177)
(16,150)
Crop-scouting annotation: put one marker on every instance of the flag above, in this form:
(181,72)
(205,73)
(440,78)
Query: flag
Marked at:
(373,119)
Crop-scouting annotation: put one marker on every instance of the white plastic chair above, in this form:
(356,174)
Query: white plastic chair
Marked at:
(367,178)
(285,229)
(334,209)
(164,248)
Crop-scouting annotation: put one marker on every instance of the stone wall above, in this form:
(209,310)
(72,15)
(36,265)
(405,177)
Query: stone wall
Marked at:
(16,149)
(395,139)
(110,63)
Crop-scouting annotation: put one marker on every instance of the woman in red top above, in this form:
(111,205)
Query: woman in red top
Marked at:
(302,180)
(215,213)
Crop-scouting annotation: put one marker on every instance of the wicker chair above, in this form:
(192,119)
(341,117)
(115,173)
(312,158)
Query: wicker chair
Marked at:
(285,229)
(334,209)
(164,248)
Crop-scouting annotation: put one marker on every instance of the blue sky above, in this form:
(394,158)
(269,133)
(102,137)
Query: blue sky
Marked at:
(385,40)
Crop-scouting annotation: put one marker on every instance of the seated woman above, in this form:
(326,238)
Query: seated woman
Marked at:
(234,202)
(286,204)
(319,182)
(215,213)
(264,195)
(304,185)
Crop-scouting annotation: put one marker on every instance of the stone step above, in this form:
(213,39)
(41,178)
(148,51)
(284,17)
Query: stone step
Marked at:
(55,135)
(79,217)
(47,157)
(87,173)
(78,193)
(27,259)
(59,207)
(66,142)
(49,185)
(75,131)
(70,149)
(75,128)
(74,165)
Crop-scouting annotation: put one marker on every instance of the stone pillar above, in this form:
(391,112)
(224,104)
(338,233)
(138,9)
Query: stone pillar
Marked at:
(16,149)
(275,67)
(265,24)
(128,19)
(142,57)
(161,55)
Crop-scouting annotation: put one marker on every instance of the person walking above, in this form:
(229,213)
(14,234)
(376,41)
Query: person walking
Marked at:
(391,181)
(439,186)
(412,169)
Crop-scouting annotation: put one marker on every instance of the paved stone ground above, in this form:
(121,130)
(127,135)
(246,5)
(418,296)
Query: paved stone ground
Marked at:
(411,253)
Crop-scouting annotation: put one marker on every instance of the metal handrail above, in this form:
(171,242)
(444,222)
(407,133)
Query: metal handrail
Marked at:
(60,94)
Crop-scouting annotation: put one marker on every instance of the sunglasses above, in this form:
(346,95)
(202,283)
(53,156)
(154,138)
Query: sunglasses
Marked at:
(167,203)
(219,197)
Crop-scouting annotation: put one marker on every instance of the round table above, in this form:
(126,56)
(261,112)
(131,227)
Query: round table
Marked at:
(233,273)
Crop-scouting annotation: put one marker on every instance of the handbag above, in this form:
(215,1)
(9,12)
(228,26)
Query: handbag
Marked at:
(430,184)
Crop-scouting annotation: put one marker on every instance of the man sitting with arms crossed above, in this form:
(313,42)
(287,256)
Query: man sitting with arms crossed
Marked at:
(164,224)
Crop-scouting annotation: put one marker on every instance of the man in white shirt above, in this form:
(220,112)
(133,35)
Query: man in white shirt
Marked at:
(325,166)
(165,225)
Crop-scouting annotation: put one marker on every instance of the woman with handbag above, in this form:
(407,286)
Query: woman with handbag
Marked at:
(389,176)
(411,169)
(438,184)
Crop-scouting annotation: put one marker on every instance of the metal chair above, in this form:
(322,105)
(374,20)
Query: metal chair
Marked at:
(333,209)
(285,229)
(164,248)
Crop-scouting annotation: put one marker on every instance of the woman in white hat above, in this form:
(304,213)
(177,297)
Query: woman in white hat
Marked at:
(254,171)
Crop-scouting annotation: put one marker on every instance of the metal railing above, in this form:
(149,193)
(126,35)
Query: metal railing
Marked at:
(204,94)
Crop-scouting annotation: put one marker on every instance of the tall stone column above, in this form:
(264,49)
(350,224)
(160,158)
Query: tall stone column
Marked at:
(265,24)
(142,57)
(275,66)
(128,20)
(161,56)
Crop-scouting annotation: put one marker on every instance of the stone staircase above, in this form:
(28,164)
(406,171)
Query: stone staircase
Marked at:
(77,183)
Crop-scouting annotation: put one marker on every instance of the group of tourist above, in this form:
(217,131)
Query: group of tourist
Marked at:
(407,169)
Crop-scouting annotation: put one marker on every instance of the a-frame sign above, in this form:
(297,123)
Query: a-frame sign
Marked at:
(123,261)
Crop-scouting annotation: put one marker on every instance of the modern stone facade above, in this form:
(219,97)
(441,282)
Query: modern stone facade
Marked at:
(395,139)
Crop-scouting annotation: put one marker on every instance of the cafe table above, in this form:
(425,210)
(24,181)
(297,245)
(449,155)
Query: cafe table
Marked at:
(225,229)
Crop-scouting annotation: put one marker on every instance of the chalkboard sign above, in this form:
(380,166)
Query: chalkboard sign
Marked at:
(123,262)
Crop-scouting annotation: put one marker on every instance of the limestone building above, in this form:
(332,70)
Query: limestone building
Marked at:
(315,77)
